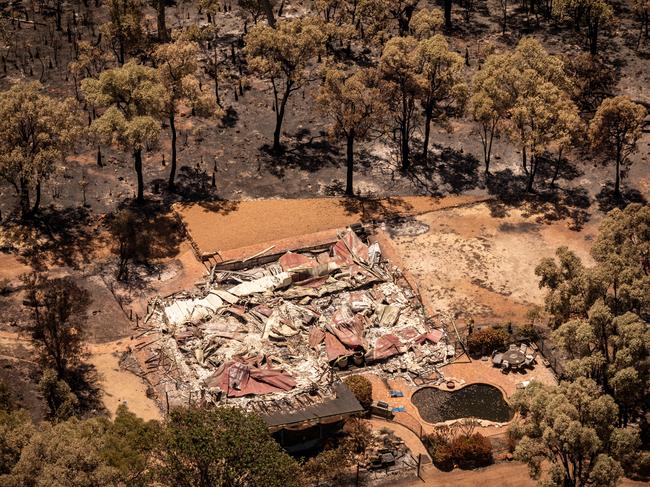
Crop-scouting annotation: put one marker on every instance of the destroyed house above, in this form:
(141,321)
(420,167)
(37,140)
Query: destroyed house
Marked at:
(271,337)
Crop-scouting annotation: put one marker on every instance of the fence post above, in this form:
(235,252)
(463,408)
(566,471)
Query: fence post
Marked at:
(419,465)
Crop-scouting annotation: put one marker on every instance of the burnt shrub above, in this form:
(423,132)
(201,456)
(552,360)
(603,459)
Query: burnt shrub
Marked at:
(466,450)
(361,388)
(472,451)
(484,341)
(527,333)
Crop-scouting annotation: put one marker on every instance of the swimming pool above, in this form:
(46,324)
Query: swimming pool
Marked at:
(481,401)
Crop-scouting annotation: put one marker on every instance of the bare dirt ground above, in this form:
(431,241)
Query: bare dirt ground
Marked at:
(512,474)
(471,265)
(118,385)
(223,226)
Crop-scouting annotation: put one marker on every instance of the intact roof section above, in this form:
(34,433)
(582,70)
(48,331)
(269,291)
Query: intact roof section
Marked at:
(344,404)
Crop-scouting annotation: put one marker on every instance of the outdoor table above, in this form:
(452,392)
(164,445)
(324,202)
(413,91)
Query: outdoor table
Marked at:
(514,357)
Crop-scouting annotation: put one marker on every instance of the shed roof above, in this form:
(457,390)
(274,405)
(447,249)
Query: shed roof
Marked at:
(345,404)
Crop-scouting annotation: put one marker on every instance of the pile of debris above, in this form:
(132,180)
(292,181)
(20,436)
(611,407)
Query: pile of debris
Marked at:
(273,337)
(386,451)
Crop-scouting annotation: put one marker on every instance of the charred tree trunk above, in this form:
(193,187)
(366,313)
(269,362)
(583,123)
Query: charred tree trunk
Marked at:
(428,115)
(24,198)
(558,163)
(163,35)
(172,169)
(617,184)
(531,176)
(268,10)
(593,38)
(58,13)
(37,198)
(405,131)
(137,159)
(524,160)
(349,191)
(448,14)
(488,139)
(406,163)
(279,118)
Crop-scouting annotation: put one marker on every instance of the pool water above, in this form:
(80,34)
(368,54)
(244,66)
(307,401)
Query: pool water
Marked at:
(481,401)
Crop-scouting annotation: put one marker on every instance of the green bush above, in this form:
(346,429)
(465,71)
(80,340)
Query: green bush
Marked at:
(361,388)
(222,446)
(485,341)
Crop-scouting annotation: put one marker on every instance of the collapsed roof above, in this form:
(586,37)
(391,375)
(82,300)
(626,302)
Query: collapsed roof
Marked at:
(273,337)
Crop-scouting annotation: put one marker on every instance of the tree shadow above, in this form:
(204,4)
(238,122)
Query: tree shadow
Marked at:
(230,118)
(374,208)
(84,382)
(195,184)
(335,188)
(155,222)
(311,155)
(546,205)
(607,199)
(63,237)
(144,237)
(445,170)
(220,206)
(458,170)
(547,164)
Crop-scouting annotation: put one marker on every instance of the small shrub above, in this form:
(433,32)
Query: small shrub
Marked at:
(443,458)
(361,388)
(484,341)
(6,401)
(471,451)
(466,451)
(527,333)
(359,435)
(329,464)
(437,444)
(5,286)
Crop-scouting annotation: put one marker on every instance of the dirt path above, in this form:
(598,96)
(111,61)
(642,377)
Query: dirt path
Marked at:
(503,475)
